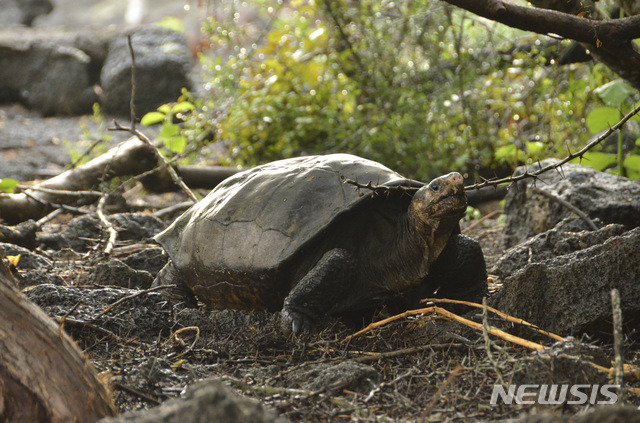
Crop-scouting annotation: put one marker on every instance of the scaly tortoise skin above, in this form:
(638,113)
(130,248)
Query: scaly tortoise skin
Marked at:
(291,235)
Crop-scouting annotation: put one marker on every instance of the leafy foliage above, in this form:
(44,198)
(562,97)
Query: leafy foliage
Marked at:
(418,85)
(170,115)
(614,95)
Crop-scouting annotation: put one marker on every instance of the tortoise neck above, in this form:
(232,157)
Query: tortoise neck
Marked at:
(431,232)
(407,261)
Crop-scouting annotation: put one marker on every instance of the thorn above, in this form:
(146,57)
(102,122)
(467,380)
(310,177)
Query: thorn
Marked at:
(561,171)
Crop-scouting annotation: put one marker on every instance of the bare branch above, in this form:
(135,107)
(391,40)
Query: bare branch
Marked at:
(610,32)
(609,40)
(172,172)
(113,233)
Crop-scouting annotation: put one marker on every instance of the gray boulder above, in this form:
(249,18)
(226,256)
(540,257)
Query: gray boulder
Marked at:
(162,70)
(46,75)
(206,401)
(568,236)
(22,12)
(610,198)
(570,293)
(57,72)
(565,362)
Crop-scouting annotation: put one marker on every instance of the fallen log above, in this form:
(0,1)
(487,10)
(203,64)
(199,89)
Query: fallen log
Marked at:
(196,177)
(130,158)
(44,376)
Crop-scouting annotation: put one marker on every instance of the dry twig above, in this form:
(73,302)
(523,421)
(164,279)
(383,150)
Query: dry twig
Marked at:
(113,233)
(129,297)
(497,312)
(178,332)
(172,172)
(452,316)
(436,397)
(487,342)
(617,343)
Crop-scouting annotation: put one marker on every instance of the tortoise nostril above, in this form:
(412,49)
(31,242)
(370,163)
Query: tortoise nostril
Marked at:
(457,178)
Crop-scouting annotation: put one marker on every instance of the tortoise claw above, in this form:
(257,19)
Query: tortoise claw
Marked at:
(295,322)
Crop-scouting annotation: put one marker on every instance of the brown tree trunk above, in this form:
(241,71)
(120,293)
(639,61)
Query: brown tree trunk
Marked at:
(44,377)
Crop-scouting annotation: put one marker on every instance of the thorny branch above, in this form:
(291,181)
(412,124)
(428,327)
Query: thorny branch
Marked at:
(382,189)
(580,154)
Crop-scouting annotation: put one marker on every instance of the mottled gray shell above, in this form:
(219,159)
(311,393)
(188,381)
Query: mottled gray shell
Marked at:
(257,219)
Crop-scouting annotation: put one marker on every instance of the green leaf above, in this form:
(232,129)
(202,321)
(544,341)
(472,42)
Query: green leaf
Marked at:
(632,166)
(169,131)
(8,185)
(183,106)
(597,160)
(535,149)
(506,153)
(602,118)
(173,23)
(152,118)
(638,142)
(165,108)
(175,144)
(614,93)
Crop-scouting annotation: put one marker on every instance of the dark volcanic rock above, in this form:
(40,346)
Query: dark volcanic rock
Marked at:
(23,234)
(565,362)
(333,377)
(151,259)
(553,243)
(57,71)
(162,70)
(116,273)
(28,259)
(205,401)
(610,198)
(32,269)
(47,72)
(570,294)
(22,12)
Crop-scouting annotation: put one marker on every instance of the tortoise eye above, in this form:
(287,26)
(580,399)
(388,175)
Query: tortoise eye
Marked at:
(434,187)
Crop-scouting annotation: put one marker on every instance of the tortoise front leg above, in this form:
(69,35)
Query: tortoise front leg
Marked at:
(460,271)
(327,285)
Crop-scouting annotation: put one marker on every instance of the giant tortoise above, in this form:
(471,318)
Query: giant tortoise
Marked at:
(291,235)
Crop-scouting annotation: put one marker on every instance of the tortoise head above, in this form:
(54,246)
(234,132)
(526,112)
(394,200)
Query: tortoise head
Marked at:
(442,198)
(437,208)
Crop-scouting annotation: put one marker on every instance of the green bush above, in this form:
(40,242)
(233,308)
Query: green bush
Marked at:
(417,85)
